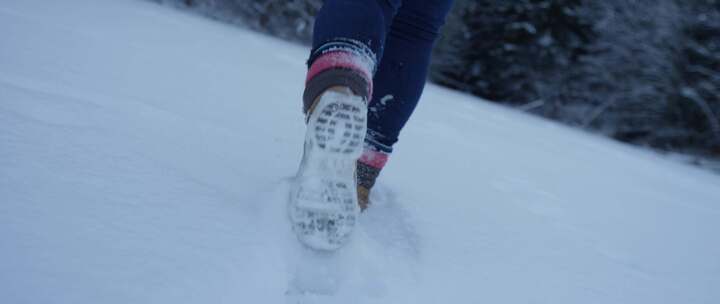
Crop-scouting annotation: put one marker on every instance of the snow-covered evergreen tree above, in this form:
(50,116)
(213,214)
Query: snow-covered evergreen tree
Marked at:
(695,108)
(504,50)
(291,19)
(623,83)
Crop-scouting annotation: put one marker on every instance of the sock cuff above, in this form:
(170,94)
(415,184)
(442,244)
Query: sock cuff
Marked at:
(363,56)
(373,158)
(343,62)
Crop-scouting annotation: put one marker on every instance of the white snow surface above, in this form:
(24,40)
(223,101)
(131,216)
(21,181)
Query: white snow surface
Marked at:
(146,155)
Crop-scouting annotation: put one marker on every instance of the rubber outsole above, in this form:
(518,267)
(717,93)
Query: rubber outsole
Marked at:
(323,206)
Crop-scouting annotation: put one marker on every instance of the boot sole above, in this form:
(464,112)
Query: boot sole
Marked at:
(324,206)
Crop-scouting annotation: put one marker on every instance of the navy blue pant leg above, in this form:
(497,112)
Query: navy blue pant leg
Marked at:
(402,72)
(366,21)
(401,34)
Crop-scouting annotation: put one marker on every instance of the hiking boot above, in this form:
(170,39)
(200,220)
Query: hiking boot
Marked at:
(368,169)
(324,202)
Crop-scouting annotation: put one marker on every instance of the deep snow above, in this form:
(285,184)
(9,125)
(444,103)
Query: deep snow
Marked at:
(145,156)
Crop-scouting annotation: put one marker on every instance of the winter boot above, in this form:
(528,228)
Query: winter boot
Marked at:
(324,203)
(369,166)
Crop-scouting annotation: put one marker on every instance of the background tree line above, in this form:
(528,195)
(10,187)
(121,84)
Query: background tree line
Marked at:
(641,71)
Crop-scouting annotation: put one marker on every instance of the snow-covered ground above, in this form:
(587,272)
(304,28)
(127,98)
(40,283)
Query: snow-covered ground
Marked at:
(145,156)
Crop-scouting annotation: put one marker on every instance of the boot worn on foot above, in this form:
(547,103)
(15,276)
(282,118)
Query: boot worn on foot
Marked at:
(369,166)
(323,206)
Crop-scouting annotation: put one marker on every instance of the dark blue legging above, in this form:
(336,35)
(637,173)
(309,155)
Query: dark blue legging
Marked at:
(401,33)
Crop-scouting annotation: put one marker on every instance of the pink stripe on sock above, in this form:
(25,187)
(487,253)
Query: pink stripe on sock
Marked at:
(375,159)
(340,59)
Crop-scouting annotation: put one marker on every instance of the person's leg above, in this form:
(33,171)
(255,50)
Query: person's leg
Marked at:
(348,41)
(401,75)
(365,21)
(400,79)
(349,35)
